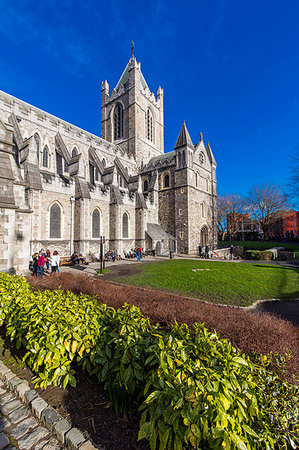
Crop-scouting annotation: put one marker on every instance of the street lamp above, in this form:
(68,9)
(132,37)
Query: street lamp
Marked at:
(72,200)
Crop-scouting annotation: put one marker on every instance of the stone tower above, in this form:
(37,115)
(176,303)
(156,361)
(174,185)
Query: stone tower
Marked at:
(195,194)
(132,116)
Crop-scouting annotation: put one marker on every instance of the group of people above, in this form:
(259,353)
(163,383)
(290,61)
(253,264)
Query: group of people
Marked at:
(78,259)
(43,260)
(110,255)
(134,253)
(204,254)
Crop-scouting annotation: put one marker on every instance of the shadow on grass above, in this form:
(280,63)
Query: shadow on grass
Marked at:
(283,295)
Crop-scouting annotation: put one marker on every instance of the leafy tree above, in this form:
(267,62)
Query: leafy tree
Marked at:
(265,202)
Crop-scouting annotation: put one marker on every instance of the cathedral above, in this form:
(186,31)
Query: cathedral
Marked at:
(62,188)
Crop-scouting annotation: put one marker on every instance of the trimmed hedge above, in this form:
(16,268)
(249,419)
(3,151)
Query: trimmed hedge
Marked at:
(259,255)
(194,388)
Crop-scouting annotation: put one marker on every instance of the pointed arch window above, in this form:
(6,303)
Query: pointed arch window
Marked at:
(104,162)
(125,225)
(55,221)
(118,121)
(166,181)
(37,143)
(96,224)
(74,152)
(149,125)
(145,185)
(45,157)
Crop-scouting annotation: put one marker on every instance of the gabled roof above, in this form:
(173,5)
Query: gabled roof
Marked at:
(125,76)
(184,138)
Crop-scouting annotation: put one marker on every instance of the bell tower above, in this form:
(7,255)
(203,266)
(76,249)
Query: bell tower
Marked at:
(132,116)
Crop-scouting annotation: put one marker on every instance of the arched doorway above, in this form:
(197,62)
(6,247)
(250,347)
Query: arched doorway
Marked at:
(204,236)
(158,248)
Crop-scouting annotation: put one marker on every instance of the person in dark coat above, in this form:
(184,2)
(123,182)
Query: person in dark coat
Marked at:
(200,251)
(207,251)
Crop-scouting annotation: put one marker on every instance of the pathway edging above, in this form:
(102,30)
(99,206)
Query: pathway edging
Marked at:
(49,420)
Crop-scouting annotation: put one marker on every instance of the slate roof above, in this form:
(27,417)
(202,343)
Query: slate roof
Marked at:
(159,160)
(125,77)
(156,232)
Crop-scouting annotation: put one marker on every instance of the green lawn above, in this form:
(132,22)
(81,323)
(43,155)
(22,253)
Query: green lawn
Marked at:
(220,282)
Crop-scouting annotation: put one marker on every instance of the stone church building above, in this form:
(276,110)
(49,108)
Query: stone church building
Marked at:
(61,188)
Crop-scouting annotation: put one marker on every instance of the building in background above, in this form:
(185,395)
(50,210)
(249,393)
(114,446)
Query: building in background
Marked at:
(242,227)
(285,226)
(61,188)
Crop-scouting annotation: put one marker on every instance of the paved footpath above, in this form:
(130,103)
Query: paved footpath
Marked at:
(27,422)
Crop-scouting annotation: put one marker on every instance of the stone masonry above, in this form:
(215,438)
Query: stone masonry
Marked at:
(61,188)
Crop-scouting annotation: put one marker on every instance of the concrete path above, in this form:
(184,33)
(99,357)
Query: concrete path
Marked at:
(27,422)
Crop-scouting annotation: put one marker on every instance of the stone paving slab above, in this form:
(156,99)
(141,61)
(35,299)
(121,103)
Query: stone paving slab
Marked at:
(24,427)
(20,430)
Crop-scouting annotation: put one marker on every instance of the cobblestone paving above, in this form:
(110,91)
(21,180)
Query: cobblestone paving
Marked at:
(18,427)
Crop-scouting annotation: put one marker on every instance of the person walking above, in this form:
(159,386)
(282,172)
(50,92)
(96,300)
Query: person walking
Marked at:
(231,251)
(138,254)
(200,251)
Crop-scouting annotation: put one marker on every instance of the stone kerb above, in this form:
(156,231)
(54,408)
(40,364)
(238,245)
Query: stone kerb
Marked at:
(71,437)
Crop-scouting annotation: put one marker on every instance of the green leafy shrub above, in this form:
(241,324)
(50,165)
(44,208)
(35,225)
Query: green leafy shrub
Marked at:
(205,394)
(194,388)
(259,255)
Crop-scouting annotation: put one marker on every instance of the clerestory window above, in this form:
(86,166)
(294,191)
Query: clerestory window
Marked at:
(45,157)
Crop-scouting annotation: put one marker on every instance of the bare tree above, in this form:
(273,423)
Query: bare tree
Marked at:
(266,203)
(231,212)
(221,216)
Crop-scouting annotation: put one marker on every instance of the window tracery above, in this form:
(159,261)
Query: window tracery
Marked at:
(118,121)
(149,125)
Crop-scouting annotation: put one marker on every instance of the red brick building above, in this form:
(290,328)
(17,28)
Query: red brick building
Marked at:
(286,225)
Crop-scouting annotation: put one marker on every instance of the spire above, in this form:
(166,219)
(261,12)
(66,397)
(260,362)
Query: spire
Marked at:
(184,138)
(210,153)
(125,75)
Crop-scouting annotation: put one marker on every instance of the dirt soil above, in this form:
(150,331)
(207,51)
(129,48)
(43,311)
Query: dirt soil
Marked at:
(86,407)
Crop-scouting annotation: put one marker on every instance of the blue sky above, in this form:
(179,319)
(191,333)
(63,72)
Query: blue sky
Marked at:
(230,68)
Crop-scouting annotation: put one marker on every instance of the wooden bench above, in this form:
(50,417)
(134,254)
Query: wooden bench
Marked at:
(66,261)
